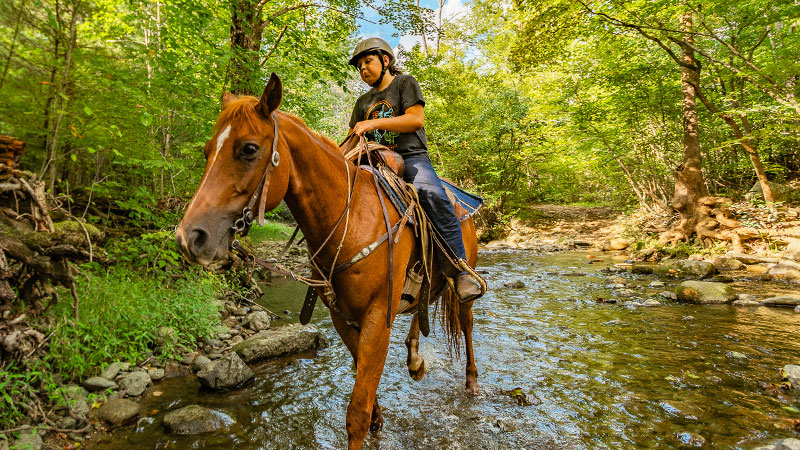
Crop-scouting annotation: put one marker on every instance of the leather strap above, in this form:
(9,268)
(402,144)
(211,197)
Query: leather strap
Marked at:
(308,305)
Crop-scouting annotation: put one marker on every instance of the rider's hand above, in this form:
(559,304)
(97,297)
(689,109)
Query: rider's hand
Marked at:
(364,127)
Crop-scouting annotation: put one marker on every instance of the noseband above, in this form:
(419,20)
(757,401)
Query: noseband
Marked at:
(241,226)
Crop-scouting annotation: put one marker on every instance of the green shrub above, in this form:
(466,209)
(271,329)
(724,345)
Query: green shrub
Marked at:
(120,312)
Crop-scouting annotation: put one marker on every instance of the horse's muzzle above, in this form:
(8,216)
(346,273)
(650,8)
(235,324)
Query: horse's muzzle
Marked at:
(196,245)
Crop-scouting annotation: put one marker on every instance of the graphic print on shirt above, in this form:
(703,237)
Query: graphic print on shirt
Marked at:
(383,110)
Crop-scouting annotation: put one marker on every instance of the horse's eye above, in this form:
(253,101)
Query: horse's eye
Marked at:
(249,150)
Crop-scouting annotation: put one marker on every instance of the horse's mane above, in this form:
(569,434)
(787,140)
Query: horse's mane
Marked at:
(244,107)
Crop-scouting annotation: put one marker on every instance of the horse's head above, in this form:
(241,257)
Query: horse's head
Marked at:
(237,159)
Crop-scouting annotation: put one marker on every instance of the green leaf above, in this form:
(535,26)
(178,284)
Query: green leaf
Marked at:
(146,118)
(73,157)
(790,409)
(87,110)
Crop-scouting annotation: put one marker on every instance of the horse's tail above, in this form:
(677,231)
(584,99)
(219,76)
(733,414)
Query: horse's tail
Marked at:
(449,311)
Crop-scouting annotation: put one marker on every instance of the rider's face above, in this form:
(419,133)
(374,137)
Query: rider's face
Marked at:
(369,67)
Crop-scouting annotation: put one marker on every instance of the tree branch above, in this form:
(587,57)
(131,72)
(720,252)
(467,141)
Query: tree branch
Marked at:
(277,41)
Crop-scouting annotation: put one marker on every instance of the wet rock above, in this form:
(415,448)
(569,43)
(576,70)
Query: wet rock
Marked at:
(631,304)
(722,279)
(791,372)
(506,425)
(155,373)
(748,297)
(616,244)
(118,411)
(703,292)
(166,336)
(516,284)
(680,409)
(95,384)
(758,269)
(174,369)
(690,440)
(188,358)
(651,302)
(736,355)
(642,269)
(193,419)
(28,440)
(797,309)
(785,444)
(656,284)
(669,295)
(688,318)
(615,280)
(626,292)
(782,300)
(746,302)
(228,372)
(111,371)
(79,408)
(785,270)
(685,269)
(280,341)
(750,259)
(258,321)
(725,264)
(135,383)
(200,362)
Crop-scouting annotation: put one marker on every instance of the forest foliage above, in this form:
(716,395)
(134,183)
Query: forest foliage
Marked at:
(550,101)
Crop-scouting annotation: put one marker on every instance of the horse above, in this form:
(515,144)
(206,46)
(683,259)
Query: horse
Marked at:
(260,153)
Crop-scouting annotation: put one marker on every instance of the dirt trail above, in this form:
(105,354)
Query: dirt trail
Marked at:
(561,226)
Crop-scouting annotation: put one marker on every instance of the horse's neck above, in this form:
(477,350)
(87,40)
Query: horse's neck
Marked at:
(318,187)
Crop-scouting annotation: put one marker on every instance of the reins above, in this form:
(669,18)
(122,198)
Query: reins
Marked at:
(242,226)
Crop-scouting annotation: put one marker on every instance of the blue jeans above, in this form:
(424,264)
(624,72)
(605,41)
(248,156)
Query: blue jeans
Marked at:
(435,203)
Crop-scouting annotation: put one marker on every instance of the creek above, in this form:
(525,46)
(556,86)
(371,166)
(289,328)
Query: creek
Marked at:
(594,375)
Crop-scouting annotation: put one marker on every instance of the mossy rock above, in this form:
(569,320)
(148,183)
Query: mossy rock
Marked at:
(72,226)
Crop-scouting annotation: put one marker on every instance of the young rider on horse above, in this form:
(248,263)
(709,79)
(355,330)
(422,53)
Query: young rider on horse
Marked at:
(392,114)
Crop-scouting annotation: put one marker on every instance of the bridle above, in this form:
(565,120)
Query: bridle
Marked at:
(241,226)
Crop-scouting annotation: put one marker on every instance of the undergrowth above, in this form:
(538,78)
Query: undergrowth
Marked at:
(120,312)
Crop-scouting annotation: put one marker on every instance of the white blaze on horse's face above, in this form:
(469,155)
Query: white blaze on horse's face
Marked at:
(220,142)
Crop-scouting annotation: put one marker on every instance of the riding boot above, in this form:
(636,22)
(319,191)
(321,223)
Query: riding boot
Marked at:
(466,286)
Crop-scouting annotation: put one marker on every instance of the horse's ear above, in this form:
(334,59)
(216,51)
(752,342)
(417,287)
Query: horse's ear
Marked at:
(227,98)
(271,98)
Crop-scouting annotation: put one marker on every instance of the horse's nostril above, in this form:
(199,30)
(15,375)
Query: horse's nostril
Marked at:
(197,240)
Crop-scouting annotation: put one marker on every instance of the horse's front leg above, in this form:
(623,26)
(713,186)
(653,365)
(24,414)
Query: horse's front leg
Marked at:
(414,362)
(373,345)
(350,337)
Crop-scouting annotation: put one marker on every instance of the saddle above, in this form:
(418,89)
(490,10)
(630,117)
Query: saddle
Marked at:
(388,166)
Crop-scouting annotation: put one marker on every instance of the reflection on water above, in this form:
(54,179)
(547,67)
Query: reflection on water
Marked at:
(597,375)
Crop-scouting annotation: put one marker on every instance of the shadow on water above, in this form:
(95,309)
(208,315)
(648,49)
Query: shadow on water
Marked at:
(596,375)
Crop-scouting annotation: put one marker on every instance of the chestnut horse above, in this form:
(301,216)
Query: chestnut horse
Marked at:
(312,176)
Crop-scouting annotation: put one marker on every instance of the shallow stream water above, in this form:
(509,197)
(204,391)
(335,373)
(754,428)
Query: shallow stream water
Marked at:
(597,376)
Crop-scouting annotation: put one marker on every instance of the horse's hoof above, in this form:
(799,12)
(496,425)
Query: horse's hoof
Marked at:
(418,373)
(472,388)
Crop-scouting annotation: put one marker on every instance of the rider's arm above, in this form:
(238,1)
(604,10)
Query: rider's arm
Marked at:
(412,120)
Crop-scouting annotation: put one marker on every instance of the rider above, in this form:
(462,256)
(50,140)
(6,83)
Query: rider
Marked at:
(392,114)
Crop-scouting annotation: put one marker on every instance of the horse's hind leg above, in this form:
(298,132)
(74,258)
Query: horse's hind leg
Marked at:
(414,362)
(465,319)
(350,338)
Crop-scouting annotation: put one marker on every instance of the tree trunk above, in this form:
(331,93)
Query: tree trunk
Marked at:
(245,44)
(11,47)
(689,186)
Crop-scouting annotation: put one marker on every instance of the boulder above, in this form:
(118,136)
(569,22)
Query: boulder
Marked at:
(280,341)
(746,302)
(782,300)
(94,384)
(155,373)
(724,264)
(685,269)
(786,270)
(200,362)
(792,251)
(111,371)
(651,302)
(780,192)
(669,295)
(616,244)
(135,383)
(642,268)
(258,321)
(228,372)
(704,292)
(28,440)
(750,259)
(791,372)
(118,411)
(193,419)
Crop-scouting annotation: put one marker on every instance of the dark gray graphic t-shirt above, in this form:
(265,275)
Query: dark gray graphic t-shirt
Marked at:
(402,93)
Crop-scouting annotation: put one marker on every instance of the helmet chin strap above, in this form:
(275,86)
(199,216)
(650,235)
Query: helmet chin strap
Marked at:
(383,72)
